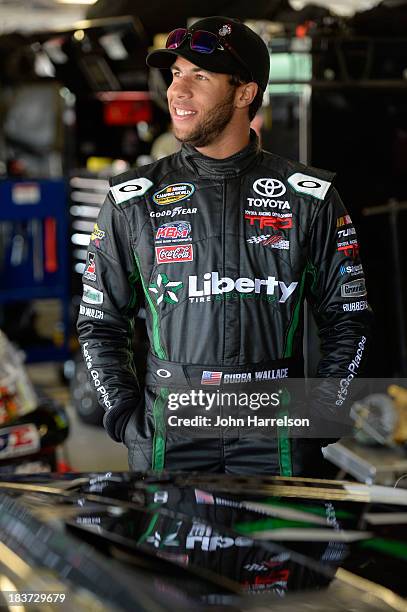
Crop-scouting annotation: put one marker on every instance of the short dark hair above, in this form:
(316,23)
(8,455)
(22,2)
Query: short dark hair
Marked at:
(236,80)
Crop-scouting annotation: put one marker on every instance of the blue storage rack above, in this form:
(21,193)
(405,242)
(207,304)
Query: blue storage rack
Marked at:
(36,211)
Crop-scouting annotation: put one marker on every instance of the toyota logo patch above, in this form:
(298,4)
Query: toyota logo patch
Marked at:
(269,187)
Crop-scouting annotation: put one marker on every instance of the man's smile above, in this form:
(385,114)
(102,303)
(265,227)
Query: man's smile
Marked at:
(182,113)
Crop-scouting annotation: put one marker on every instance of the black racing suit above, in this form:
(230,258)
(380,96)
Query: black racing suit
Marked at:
(224,252)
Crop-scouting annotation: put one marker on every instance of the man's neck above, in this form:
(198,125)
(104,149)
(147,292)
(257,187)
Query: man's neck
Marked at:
(232,140)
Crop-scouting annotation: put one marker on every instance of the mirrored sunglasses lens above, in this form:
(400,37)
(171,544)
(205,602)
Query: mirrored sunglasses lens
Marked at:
(176,38)
(203,42)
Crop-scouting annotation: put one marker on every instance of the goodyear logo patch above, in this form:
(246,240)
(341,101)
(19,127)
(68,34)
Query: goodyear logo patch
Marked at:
(173,193)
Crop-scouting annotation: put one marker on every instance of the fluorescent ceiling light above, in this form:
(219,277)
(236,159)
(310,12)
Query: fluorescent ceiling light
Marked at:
(76,1)
(345,8)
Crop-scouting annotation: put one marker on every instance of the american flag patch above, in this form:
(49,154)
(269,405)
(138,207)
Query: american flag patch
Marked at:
(202,497)
(211,378)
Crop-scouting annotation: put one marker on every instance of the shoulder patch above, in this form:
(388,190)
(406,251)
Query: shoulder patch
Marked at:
(130,189)
(303,183)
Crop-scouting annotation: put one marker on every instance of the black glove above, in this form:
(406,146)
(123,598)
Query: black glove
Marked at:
(115,421)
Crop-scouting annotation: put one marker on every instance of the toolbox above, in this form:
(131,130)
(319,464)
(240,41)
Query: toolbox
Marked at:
(34,252)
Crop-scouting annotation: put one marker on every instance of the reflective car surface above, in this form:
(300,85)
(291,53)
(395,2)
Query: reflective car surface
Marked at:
(151,541)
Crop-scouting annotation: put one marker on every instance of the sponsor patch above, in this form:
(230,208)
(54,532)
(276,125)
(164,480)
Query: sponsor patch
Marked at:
(174,253)
(353,368)
(92,313)
(274,241)
(345,220)
(101,389)
(274,222)
(303,183)
(162,373)
(178,210)
(19,440)
(97,235)
(356,288)
(173,193)
(175,231)
(202,497)
(211,378)
(269,187)
(90,271)
(165,290)
(349,231)
(92,295)
(87,356)
(257,376)
(212,285)
(268,203)
(225,30)
(355,306)
(349,248)
(130,189)
(351,270)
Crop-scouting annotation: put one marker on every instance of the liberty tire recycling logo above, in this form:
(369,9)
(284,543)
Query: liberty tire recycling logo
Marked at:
(165,290)
(269,187)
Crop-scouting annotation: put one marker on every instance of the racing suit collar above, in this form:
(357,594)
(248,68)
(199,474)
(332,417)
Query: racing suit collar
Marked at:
(224,168)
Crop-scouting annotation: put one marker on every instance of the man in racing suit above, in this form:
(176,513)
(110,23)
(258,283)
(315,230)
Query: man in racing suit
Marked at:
(222,242)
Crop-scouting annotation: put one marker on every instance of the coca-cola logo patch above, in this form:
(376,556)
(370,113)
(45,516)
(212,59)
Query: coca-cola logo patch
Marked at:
(174,254)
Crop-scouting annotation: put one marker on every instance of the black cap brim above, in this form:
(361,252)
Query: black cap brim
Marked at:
(162,58)
(219,62)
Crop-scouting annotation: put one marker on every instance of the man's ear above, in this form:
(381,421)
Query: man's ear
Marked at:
(245,94)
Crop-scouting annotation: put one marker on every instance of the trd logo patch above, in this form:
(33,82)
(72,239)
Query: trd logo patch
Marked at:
(273,222)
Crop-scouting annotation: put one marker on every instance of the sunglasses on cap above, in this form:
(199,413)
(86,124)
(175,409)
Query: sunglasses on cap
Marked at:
(202,41)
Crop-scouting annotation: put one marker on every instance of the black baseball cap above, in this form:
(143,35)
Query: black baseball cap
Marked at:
(250,59)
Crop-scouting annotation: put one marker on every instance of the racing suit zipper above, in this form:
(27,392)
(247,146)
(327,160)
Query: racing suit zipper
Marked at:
(224,266)
(222,441)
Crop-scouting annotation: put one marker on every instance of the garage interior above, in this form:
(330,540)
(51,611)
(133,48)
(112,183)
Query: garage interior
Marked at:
(78,105)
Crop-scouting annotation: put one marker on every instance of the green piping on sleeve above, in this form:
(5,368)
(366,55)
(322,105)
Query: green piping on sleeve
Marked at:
(133,278)
(313,271)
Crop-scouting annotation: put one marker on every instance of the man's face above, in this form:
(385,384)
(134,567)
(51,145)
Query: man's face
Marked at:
(201,103)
